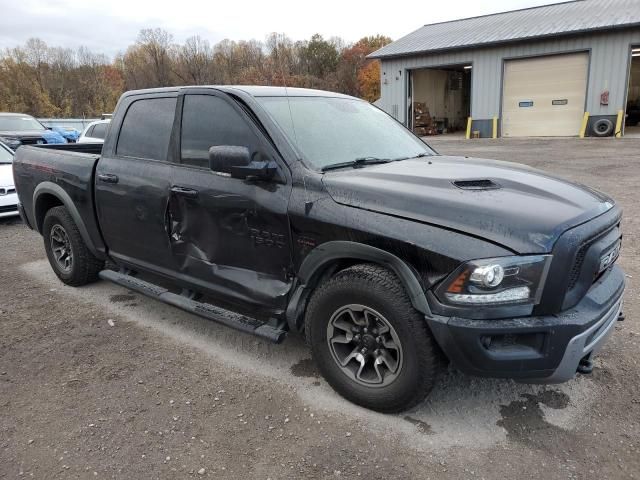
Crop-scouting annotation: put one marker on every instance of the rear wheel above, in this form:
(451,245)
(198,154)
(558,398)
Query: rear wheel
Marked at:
(68,255)
(369,342)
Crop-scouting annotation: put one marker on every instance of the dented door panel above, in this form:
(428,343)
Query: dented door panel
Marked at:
(233,236)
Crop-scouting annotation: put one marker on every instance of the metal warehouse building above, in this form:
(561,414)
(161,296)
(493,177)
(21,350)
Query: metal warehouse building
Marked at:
(565,69)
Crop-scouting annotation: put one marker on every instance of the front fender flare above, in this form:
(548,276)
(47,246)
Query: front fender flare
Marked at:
(329,252)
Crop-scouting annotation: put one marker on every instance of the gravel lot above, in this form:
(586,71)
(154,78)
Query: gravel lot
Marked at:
(163,394)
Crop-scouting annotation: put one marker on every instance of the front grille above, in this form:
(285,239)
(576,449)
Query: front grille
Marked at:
(574,275)
(577,265)
(9,208)
(6,191)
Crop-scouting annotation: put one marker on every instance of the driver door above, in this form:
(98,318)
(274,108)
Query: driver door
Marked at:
(228,235)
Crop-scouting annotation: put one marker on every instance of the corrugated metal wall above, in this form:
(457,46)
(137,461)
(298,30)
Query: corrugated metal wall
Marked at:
(608,70)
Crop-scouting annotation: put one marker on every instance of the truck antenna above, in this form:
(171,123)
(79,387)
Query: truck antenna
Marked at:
(286,93)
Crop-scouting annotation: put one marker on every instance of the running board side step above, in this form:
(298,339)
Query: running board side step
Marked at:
(205,310)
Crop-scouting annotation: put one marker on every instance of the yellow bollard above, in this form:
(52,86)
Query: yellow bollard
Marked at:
(469,121)
(585,121)
(619,124)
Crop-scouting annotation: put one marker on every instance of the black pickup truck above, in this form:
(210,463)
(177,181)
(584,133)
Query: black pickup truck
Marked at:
(275,210)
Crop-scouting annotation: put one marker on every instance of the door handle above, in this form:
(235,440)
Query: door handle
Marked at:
(107,178)
(184,191)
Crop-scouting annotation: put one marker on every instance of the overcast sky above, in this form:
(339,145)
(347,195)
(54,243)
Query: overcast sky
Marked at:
(108,26)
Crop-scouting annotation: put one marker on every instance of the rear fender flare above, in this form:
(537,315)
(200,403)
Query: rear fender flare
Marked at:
(327,253)
(58,192)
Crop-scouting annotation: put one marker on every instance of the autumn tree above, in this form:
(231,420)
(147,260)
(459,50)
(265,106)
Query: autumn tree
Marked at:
(57,82)
(50,81)
(194,61)
(356,73)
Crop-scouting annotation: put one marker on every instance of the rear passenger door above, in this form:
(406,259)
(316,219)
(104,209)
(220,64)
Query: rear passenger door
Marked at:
(229,235)
(133,181)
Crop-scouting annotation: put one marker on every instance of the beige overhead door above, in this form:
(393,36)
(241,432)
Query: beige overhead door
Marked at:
(544,96)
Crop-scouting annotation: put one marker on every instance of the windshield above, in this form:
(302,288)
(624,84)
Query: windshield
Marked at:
(329,130)
(19,123)
(5,156)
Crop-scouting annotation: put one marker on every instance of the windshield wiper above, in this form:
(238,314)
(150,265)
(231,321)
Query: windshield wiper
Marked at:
(356,163)
(420,155)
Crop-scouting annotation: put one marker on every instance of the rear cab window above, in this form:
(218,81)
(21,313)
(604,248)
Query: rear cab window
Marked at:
(146,129)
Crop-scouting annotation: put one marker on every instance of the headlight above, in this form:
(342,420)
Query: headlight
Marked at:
(496,281)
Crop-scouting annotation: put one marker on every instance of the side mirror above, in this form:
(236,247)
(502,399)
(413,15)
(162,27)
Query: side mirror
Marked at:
(237,162)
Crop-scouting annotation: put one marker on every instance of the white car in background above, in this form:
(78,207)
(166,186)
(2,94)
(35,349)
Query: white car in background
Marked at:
(95,132)
(8,195)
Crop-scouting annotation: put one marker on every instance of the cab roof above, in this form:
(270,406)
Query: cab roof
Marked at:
(253,90)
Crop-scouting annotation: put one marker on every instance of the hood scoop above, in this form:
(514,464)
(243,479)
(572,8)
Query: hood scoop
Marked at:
(481,184)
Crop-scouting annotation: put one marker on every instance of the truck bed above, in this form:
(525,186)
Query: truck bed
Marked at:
(64,171)
(94,148)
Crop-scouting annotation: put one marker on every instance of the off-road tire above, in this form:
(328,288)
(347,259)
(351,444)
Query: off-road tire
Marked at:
(379,289)
(84,267)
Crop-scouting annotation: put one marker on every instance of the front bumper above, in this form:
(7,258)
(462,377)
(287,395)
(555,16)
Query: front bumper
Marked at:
(542,349)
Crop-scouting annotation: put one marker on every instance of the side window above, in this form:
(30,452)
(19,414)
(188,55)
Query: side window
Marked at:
(100,130)
(208,121)
(146,129)
(90,131)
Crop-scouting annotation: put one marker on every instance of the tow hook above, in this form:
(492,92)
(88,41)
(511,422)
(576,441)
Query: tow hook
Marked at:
(585,366)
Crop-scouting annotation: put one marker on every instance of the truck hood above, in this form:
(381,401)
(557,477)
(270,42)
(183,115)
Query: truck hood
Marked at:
(520,208)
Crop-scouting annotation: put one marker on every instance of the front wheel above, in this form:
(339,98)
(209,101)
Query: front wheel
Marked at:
(68,255)
(369,342)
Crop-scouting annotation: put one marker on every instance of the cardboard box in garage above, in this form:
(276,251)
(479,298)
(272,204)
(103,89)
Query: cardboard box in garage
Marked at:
(424,131)
(422,120)
(420,108)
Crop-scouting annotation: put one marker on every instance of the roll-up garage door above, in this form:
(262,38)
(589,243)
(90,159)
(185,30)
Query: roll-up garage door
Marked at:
(544,96)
